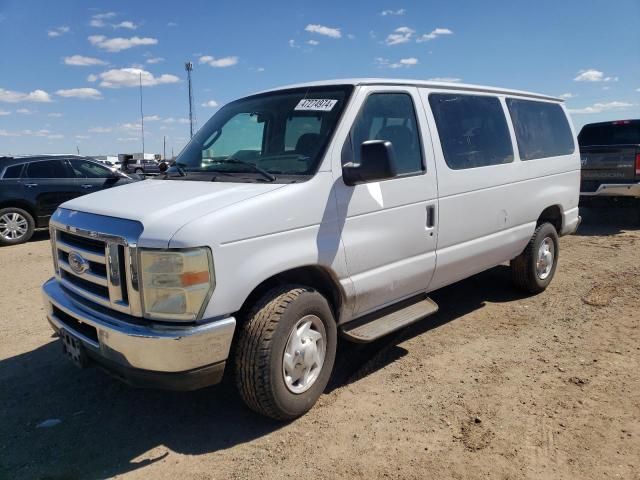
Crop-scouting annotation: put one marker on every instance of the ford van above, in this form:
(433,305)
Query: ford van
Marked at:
(301,214)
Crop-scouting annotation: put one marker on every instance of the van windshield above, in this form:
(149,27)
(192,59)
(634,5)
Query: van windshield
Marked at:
(267,136)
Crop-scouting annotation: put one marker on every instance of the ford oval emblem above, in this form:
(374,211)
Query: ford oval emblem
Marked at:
(77,263)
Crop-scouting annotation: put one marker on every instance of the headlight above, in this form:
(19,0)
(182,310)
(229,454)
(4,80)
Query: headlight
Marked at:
(176,284)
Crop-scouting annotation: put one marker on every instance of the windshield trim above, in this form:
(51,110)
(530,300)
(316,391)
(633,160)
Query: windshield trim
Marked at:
(348,90)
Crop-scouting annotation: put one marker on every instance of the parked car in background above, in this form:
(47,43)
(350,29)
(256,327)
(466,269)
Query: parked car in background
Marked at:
(610,158)
(141,166)
(301,213)
(32,187)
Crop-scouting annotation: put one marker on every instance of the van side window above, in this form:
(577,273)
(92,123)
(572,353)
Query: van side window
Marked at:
(390,116)
(13,171)
(542,129)
(473,130)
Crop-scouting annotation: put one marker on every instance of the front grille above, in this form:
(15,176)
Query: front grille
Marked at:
(87,330)
(97,270)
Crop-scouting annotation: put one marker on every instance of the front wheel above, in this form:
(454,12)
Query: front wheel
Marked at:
(533,270)
(285,352)
(139,171)
(16,226)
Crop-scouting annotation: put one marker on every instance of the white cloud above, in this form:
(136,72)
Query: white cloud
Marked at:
(55,136)
(126,24)
(24,111)
(98,20)
(80,61)
(131,77)
(92,77)
(11,96)
(567,96)
(210,104)
(154,60)
(601,107)
(127,139)
(434,34)
(313,42)
(293,44)
(82,137)
(82,93)
(400,11)
(400,35)
(118,44)
(172,24)
(4,113)
(322,30)
(174,120)
(351,36)
(31,133)
(402,63)
(152,118)
(218,62)
(445,79)
(54,115)
(100,130)
(592,75)
(56,32)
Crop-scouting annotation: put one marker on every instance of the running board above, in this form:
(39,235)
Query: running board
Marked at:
(374,326)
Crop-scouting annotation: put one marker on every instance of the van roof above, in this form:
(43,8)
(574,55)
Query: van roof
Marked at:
(418,83)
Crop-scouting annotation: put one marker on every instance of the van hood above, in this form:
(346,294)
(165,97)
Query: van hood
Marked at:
(163,206)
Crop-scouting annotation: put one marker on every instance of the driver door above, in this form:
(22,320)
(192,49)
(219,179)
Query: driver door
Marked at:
(390,227)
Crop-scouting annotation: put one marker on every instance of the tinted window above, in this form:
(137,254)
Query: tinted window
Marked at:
(542,129)
(623,132)
(48,169)
(390,116)
(84,169)
(473,130)
(13,171)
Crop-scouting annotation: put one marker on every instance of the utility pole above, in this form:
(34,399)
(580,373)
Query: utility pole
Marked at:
(141,115)
(78,150)
(189,68)
(164,147)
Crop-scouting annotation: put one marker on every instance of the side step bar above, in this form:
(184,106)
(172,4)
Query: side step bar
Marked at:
(378,324)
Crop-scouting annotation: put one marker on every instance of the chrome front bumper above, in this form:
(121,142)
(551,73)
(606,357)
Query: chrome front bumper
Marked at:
(615,190)
(137,344)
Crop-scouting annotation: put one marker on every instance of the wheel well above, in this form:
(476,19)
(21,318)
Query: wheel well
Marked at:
(552,215)
(23,205)
(312,276)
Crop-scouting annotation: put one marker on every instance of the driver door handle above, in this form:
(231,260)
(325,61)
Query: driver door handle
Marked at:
(87,185)
(30,185)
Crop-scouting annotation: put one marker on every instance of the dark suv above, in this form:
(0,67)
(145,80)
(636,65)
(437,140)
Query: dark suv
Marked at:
(31,188)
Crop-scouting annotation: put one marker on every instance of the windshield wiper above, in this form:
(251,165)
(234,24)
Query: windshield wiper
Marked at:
(255,168)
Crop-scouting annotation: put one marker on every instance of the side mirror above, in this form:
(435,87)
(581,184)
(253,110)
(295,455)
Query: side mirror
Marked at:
(163,167)
(377,162)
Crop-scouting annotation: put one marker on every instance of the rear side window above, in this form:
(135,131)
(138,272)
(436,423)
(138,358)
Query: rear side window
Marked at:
(542,129)
(13,171)
(391,117)
(84,169)
(48,169)
(473,130)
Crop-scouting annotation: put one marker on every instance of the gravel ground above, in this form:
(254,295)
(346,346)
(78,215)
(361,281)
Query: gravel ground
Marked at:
(496,385)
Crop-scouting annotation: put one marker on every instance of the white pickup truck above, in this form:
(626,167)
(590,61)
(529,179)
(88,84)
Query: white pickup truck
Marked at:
(307,212)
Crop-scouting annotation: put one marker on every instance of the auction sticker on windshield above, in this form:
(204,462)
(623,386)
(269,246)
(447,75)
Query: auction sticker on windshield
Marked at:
(316,104)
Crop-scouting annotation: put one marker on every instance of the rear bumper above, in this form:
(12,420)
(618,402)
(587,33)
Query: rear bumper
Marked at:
(139,352)
(615,190)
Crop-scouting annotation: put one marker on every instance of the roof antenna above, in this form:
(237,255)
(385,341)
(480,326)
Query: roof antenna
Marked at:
(141,115)
(188,66)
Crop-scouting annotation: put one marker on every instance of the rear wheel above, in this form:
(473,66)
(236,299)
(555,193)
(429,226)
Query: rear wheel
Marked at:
(285,352)
(16,226)
(139,171)
(533,270)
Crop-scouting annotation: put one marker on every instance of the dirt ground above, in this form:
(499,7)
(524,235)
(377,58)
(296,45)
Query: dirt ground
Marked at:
(496,385)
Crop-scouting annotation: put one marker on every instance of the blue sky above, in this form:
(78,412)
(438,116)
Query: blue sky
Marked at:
(70,69)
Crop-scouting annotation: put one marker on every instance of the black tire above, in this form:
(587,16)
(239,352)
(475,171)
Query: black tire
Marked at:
(524,272)
(260,351)
(30,226)
(139,171)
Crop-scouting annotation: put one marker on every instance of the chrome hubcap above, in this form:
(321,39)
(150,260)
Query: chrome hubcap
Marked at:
(545,258)
(13,226)
(304,354)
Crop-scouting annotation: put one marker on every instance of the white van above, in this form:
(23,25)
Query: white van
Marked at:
(301,213)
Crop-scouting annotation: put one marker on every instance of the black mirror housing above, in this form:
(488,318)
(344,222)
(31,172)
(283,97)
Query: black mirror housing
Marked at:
(377,162)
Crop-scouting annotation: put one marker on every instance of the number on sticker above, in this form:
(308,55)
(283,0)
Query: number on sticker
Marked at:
(316,104)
